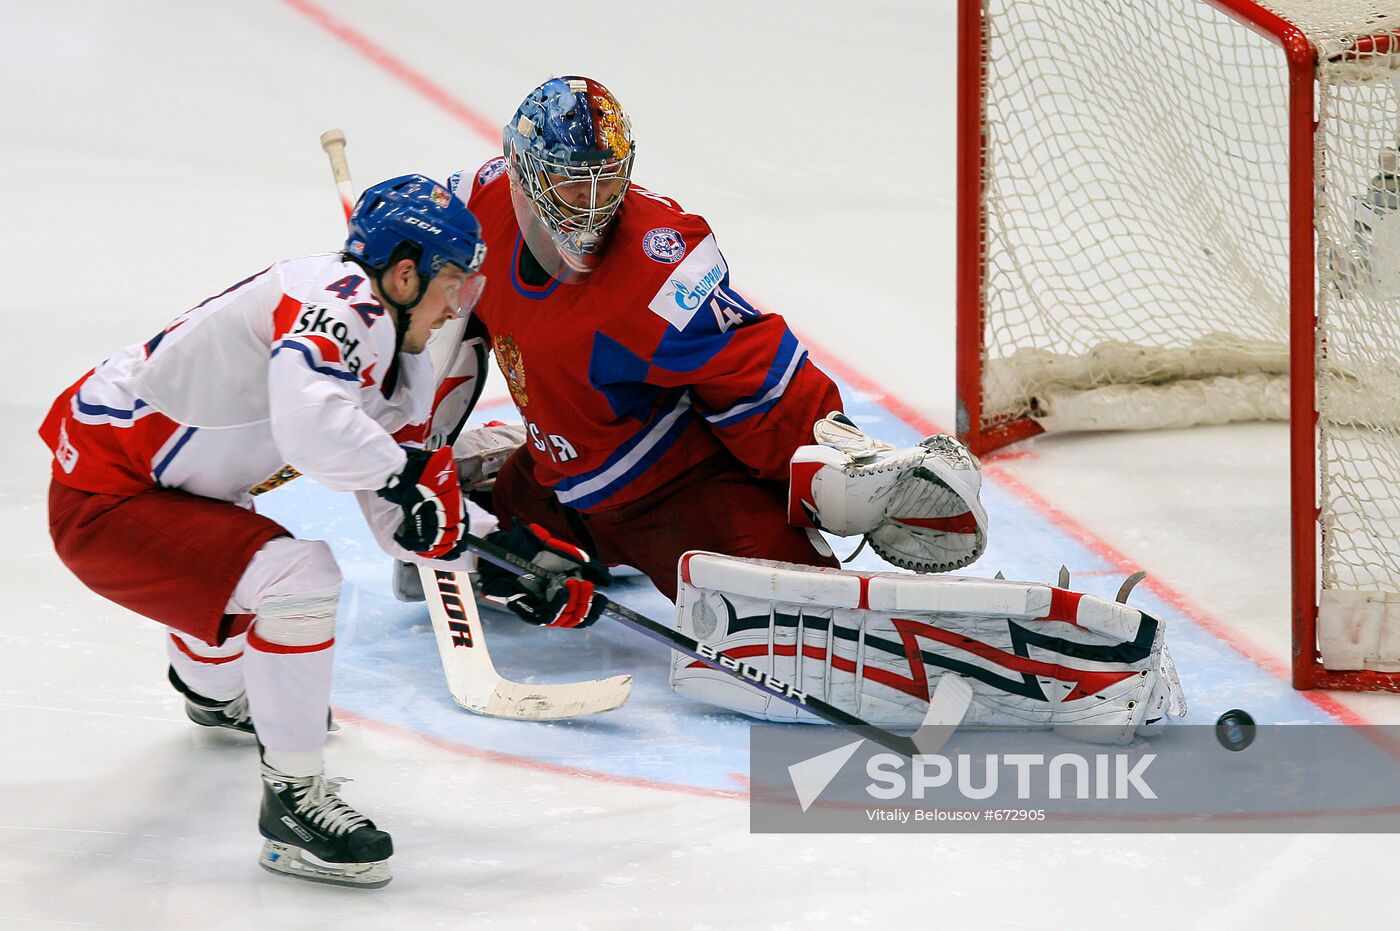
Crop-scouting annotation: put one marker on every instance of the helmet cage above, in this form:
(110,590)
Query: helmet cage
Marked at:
(569,150)
(576,224)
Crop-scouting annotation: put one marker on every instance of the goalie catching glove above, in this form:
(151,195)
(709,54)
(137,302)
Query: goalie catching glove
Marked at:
(566,598)
(430,496)
(918,507)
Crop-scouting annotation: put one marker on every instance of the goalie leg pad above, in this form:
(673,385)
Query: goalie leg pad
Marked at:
(875,644)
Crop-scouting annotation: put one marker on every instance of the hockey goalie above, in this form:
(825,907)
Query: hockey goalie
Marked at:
(663,413)
(877,643)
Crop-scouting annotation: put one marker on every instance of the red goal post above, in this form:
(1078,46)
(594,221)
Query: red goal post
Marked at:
(1175,212)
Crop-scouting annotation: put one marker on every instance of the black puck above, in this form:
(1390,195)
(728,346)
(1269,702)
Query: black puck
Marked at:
(1235,730)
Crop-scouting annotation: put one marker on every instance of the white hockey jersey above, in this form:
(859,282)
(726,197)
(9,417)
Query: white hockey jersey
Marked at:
(286,368)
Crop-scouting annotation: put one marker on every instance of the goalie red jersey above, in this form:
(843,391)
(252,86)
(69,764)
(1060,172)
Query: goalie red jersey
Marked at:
(651,365)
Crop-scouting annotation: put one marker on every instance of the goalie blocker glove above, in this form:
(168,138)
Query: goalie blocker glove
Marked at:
(918,507)
(481,451)
(565,597)
(431,498)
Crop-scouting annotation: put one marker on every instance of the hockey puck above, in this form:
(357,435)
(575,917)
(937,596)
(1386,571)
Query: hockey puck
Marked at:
(1235,730)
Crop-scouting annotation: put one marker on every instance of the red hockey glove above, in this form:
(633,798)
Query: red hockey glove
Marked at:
(431,498)
(564,598)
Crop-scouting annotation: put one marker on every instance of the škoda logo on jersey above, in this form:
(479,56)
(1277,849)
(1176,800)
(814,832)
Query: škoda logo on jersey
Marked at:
(317,320)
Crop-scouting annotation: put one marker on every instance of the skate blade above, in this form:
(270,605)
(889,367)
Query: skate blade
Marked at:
(292,861)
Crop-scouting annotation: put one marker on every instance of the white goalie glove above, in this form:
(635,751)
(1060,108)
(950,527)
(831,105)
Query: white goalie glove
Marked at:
(481,451)
(919,507)
(876,645)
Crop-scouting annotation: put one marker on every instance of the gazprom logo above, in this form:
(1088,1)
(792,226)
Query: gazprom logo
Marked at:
(690,284)
(691,298)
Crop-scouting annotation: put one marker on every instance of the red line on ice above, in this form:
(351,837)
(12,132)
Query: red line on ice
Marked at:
(396,67)
(525,762)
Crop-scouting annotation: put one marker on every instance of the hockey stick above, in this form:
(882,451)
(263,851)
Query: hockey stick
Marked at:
(333,142)
(471,677)
(947,706)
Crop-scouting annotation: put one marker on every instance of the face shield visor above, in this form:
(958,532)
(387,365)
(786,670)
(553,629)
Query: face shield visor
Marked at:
(464,294)
(461,294)
(564,210)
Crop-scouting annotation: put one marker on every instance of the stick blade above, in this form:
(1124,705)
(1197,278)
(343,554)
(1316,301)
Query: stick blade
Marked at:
(554,702)
(946,710)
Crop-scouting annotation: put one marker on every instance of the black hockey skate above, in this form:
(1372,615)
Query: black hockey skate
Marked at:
(232,714)
(210,712)
(304,815)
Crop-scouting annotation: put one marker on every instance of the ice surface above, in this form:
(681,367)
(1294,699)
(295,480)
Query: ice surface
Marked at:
(153,152)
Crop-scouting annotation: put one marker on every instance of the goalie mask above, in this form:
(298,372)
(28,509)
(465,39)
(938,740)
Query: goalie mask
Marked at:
(569,152)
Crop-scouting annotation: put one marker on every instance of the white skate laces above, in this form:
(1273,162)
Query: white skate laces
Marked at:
(318,802)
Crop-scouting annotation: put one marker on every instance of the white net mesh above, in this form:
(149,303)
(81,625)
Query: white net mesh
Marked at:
(1136,243)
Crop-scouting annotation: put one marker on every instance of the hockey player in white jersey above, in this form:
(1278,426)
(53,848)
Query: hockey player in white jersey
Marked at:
(314,365)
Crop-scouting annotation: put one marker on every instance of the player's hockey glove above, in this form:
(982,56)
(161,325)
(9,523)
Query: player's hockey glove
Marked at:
(566,597)
(431,498)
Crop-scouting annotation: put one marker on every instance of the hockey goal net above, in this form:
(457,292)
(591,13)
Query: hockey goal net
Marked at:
(1175,212)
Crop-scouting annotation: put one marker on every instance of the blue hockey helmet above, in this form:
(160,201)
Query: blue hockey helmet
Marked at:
(569,150)
(416,211)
